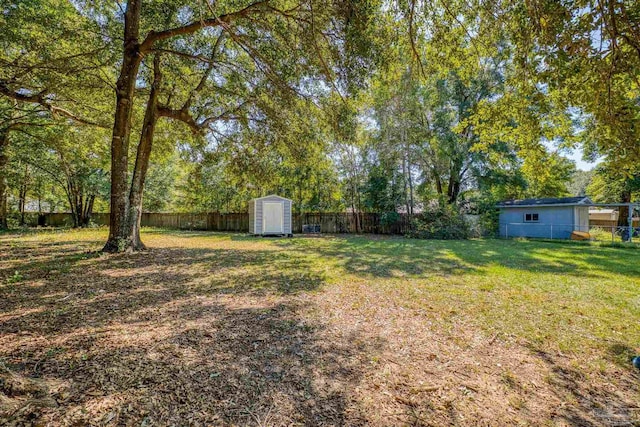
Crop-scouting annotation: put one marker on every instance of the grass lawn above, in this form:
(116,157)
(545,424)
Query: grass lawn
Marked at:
(224,329)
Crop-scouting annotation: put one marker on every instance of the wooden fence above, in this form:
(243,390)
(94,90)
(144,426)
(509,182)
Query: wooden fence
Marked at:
(369,223)
(373,223)
(607,224)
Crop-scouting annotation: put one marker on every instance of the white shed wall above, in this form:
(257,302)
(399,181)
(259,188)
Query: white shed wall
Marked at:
(256,214)
(252,216)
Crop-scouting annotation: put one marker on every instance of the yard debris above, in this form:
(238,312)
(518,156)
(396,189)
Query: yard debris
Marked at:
(65,298)
(22,399)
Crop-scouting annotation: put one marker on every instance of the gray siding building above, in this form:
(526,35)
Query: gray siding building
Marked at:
(270,215)
(548,218)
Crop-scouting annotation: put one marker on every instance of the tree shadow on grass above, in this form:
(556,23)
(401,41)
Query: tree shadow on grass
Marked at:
(211,336)
(230,365)
(620,354)
(174,336)
(586,404)
(379,256)
(390,256)
(69,291)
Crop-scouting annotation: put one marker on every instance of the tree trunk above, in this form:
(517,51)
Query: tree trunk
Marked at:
(4,142)
(453,189)
(81,207)
(360,213)
(455,179)
(408,180)
(438,182)
(411,199)
(22,194)
(119,232)
(21,202)
(142,159)
(88,210)
(405,183)
(72,197)
(623,211)
(125,216)
(80,203)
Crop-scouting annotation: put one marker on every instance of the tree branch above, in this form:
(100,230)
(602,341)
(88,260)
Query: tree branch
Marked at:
(41,99)
(221,20)
(186,55)
(412,39)
(227,115)
(196,127)
(180,115)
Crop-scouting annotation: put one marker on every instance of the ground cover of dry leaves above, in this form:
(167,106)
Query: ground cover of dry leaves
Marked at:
(222,329)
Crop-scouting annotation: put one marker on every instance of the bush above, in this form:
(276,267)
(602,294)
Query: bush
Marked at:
(600,234)
(489,220)
(389,218)
(440,222)
(485,208)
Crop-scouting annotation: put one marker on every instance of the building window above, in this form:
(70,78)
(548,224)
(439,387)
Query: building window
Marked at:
(531,217)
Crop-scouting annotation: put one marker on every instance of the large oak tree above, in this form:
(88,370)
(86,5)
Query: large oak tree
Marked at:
(317,35)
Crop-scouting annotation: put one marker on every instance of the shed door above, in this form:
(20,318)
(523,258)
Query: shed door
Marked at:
(272,217)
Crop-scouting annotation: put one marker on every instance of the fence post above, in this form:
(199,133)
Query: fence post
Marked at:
(630,219)
(506,231)
(552,231)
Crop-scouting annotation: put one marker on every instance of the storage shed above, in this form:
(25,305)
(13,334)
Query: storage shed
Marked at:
(548,218)
(270,215)
(600,214)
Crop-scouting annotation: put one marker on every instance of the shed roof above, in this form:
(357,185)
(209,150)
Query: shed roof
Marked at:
(602,211)
(547,201)
(271,195)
